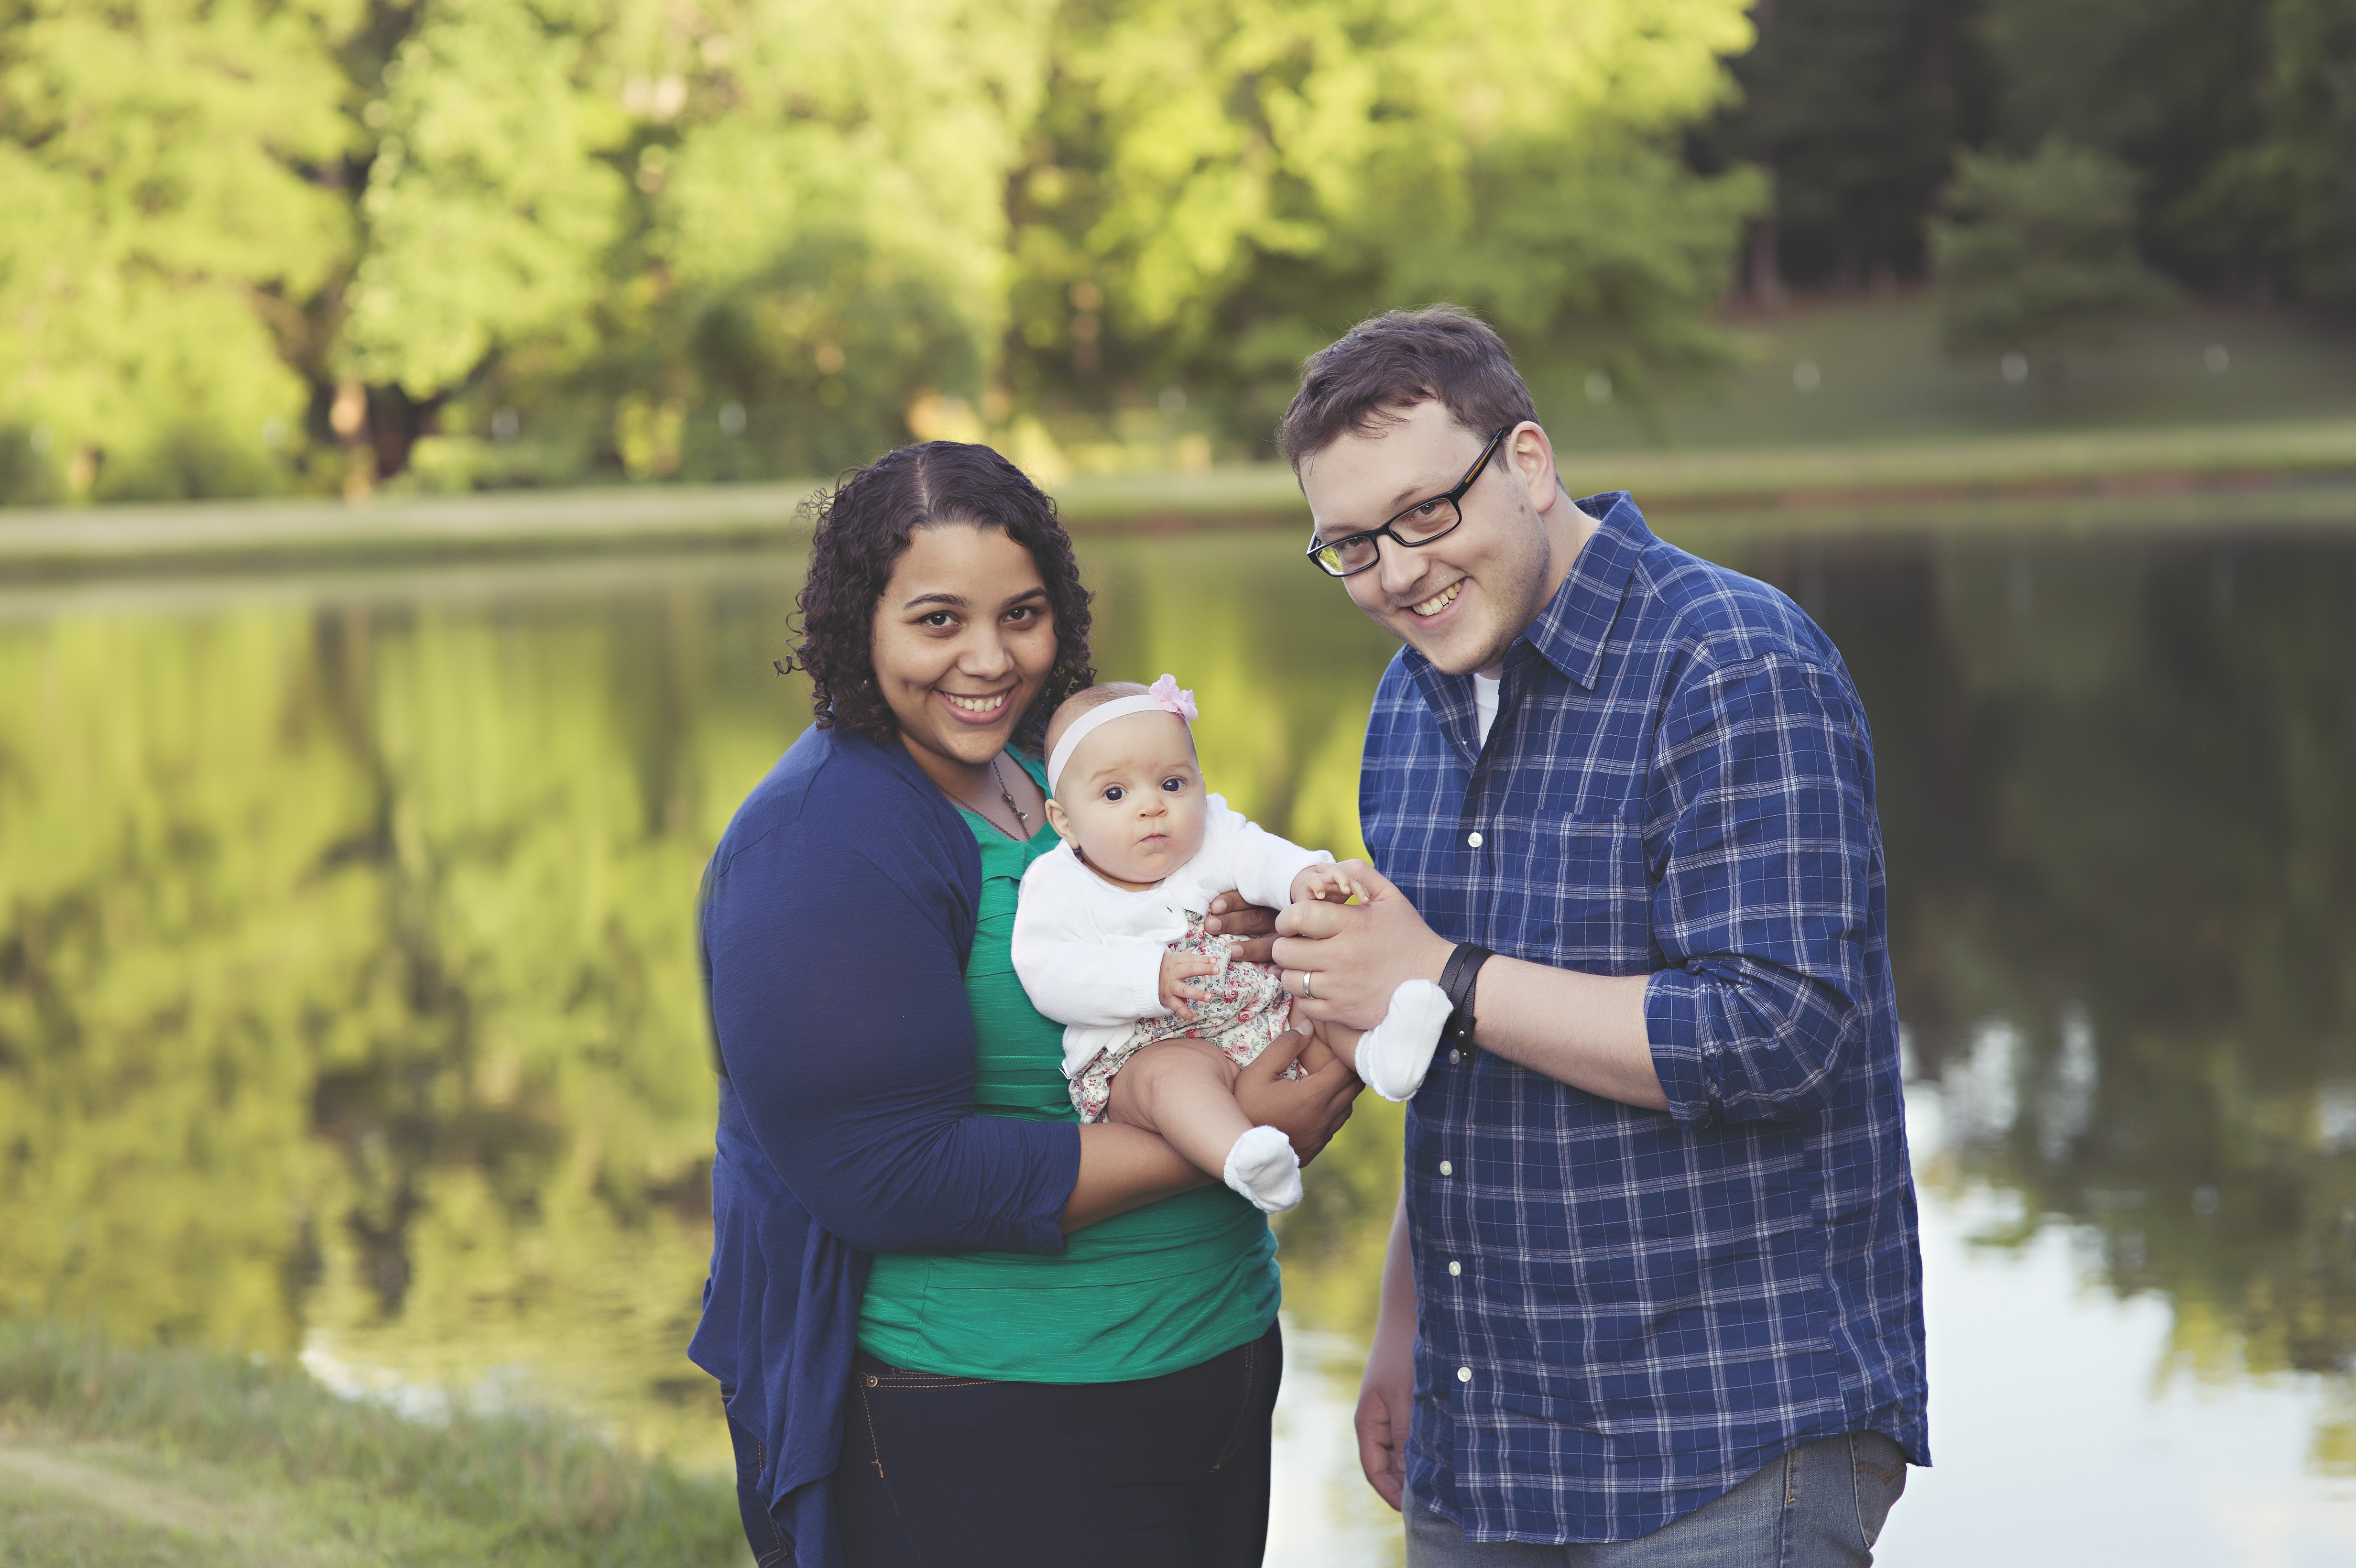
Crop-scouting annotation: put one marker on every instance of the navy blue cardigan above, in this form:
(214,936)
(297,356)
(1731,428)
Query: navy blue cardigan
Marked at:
(838,916)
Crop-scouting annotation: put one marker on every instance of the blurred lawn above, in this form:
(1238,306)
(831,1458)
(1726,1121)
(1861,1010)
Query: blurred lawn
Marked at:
(1880,377)
(119,1458)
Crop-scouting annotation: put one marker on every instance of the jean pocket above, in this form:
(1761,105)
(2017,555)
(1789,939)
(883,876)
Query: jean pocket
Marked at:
(1877,1468)
(876,1376)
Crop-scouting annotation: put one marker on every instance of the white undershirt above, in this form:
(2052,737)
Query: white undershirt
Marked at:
(1485,704)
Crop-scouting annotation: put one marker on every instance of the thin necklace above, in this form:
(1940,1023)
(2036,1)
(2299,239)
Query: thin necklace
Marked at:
(1007,795)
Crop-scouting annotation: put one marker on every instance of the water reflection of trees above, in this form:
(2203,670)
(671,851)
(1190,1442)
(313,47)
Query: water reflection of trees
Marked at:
(347,983)
(346,992)
(346,987)
(2119,788)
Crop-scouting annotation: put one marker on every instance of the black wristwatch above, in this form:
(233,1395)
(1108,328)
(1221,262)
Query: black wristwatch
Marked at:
(1457,978)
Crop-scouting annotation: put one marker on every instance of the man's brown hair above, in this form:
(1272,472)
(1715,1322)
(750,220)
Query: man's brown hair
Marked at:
(1391,362)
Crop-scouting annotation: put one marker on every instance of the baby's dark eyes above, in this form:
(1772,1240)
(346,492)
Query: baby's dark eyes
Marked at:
(1173,784)
(1114,792)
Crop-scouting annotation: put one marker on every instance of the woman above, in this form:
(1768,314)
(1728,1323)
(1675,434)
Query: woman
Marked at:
(950,1324)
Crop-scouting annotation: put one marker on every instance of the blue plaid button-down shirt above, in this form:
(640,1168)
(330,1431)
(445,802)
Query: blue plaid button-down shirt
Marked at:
(1622,1313)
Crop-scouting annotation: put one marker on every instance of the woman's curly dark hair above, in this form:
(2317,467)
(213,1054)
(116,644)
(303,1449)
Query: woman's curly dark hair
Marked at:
(862,528)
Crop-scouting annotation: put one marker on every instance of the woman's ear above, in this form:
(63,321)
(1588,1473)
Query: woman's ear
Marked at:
(1058,820)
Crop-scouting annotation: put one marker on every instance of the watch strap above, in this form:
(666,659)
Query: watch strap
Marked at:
(1457,981)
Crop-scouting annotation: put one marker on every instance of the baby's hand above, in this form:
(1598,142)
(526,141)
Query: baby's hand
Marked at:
(1178,970)
(1333,884)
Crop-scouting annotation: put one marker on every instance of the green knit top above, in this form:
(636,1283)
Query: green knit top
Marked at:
(1157,1289)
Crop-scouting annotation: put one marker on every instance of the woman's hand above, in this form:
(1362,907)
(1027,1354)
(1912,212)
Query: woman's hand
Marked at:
(1310,1110)
(1230,916)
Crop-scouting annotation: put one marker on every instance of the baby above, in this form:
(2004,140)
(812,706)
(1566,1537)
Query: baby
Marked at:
(1108,941)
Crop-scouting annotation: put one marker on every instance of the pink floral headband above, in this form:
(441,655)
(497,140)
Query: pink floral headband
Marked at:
(1163,696)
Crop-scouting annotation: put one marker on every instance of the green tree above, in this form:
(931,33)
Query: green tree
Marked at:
(834,222)
(168,170)
(2170,87)
(509,240)
(2038,255)
(2278,205)
(791,209)
(1854,107)
(489,208)
(1218,190)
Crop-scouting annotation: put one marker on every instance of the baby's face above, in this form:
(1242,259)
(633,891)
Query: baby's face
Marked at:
(1131,799)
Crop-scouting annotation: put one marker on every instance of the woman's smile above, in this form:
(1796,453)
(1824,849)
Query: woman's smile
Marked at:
(986,709)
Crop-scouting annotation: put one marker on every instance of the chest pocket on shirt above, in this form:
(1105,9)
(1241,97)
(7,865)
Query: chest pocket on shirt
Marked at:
(1594,903)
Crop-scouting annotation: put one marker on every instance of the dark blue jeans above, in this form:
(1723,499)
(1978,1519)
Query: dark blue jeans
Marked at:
(951,1472)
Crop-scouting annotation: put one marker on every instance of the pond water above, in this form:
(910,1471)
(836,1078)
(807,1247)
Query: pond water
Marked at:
(347,1004)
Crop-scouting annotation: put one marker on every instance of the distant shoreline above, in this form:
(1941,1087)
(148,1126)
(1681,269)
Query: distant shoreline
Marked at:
(2285,474)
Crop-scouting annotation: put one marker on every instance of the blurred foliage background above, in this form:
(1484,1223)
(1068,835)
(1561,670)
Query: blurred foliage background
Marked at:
(261,246)
(318,243)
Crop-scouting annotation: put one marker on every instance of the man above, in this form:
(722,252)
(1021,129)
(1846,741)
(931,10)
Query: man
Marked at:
(1654,1285)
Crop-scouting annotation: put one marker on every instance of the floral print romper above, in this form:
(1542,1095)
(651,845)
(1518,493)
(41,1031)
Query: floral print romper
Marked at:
(1240,1008)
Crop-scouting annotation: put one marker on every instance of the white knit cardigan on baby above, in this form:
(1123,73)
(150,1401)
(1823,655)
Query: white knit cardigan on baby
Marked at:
(1089,953)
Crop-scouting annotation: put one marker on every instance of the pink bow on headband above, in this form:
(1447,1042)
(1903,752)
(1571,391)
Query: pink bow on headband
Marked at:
(1167,697)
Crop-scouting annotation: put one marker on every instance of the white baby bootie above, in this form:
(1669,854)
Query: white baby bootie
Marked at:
(1395,1054)
(1263,1167)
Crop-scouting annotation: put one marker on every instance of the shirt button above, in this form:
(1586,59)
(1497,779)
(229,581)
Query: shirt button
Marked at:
(1463,1374)
(1455,1057)
(1447,1168)
(1454,1267)
(1473,839)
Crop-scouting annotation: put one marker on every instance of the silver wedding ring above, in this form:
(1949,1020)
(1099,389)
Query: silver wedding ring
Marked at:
(1305,991)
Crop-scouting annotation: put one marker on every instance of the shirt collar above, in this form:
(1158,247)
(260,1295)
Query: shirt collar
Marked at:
(1569,633)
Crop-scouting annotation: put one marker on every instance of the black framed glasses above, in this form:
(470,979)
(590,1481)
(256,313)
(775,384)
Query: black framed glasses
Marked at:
(1418,524)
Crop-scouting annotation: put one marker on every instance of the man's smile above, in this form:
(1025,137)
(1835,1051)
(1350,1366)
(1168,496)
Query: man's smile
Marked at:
(1437,602)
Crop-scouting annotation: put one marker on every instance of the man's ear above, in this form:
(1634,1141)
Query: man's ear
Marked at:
(1057,818)
(1531,457)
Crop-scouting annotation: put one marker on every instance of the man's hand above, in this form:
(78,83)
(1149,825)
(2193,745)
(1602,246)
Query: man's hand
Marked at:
(1385,1398)
(1345,960)
(1230,916)
(1387,1393)
(1178,972)
(1310,1110)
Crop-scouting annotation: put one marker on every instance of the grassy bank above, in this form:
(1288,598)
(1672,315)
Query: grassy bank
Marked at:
(119,1458)
(1891,478)
(1859,369)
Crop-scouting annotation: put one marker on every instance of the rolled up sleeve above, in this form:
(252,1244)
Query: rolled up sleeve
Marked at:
(1761,907)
